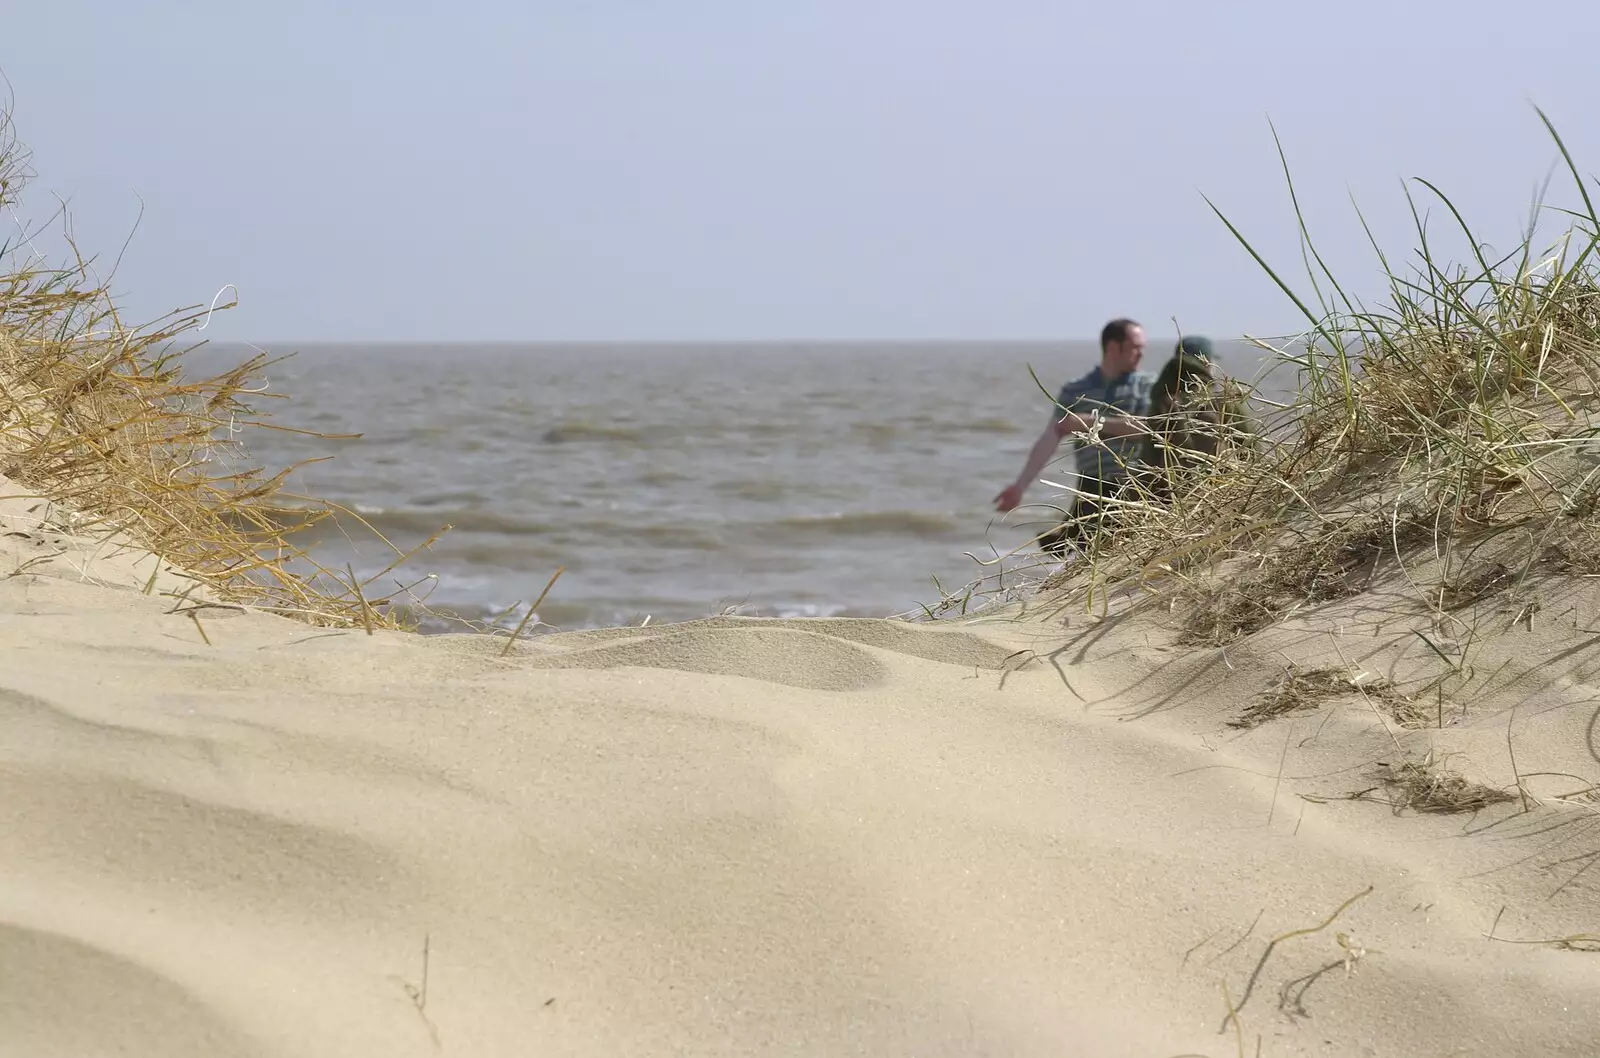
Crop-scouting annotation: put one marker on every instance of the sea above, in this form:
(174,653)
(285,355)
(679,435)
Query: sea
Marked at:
(670,482)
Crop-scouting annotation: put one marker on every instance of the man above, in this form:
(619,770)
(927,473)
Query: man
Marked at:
(1113,399)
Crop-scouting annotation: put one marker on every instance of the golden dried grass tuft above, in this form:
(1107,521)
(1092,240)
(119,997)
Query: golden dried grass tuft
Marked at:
(1425,785)
(1301,689)
(99,418)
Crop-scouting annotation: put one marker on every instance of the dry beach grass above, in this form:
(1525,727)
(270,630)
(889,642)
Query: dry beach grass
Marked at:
(98,420)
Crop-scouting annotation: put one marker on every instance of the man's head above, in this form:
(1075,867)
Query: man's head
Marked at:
(1121,347)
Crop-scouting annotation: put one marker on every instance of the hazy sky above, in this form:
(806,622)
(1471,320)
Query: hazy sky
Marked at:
(725,169)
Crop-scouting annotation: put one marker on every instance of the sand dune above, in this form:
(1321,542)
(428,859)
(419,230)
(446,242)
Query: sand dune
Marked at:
(1030,835)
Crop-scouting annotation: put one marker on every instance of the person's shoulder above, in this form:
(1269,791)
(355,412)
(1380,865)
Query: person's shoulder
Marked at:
(1087,382)
(1139,385)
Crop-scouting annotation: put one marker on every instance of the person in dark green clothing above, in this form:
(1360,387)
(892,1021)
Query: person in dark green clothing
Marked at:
(1193,414)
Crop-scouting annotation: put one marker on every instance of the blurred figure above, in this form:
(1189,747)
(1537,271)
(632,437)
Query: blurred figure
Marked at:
(1194,411)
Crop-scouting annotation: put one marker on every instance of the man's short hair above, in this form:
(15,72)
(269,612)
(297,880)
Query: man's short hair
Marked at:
(1116,331)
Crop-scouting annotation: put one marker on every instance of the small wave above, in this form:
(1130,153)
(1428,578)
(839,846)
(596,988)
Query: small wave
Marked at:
(920,524)
(447,499)
(422,519)
(670,537)
(989,426)
(830,398)
(514,553)
(764,491)
(629,534)
(507,614)
(661,476)
(789,611)
(572,616)
(572,432)
(876,432)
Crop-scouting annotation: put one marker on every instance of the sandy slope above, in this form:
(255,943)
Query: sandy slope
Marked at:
(739,837)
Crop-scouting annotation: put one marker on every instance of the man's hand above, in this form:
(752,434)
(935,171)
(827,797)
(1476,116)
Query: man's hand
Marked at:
(1009,497)
(1093,429)
(1123,426)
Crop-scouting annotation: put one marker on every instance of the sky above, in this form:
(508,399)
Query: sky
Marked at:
(819,169)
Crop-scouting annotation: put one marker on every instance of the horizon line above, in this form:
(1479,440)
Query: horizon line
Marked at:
(667,342)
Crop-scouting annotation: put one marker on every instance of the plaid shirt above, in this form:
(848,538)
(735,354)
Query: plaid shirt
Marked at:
(1129,394)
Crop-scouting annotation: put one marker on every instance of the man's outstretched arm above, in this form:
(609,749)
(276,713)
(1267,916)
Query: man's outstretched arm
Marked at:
(1045,447)
(1040,454)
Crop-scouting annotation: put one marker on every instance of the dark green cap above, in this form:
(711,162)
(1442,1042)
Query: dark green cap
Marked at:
(1195,347)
